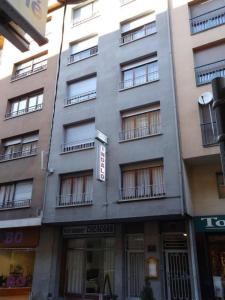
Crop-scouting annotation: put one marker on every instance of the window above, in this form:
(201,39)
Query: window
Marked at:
(19,147)
(210,63)
(76,189)
(140,123)
(123,2)
(79,137)
(83,49)
(140,72)
(142,183)
(24,104)
(206,15)
(220,185)
(208,125)
(85,12)
(138,28)
(16,195)
(29,67)
(82,90)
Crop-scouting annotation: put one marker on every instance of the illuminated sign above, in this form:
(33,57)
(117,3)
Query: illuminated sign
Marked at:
(24,16)
(101,162)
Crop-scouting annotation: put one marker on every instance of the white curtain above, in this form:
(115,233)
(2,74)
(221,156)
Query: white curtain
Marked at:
(154,122)
(143,183)
(78,193)
(128,128)
(128,185)
(89,188)
(158,181)
(66,191)
(142,125)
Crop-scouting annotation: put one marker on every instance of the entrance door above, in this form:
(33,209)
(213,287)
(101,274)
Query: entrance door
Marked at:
(178,283)
(135,265)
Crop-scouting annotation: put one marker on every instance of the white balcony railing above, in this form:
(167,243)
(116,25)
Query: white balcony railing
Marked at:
(142,192)
(135,133)
(139,80)
(24,111)
(81,98)
(15,204)
(26,71)
(146,30)
(18,154)
(83,54)
(208,20)
(205,73)
(74,200)
(78,145)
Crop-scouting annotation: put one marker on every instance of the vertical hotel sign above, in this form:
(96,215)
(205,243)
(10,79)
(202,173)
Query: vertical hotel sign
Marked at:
(30,15)
(101,162)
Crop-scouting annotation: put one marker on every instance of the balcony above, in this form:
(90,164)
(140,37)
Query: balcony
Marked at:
(141,132)
(83,54)
(80,98)
(142,192)
(24,111)
(29,70)
(78,145)
(15,204)
(83,199)
(19,154)
(209,134)
(139,80)
(146,30)
(208,20)
(204,74)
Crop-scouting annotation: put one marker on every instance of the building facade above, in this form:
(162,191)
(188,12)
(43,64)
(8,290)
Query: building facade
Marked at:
(27,84)
(115,111)
(198,48)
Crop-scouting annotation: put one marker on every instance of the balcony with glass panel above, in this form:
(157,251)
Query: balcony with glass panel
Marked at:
(205,73)
(208,20)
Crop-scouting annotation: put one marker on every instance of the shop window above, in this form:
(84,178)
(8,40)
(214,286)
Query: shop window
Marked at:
(88,262)
(16,269)
(220,185)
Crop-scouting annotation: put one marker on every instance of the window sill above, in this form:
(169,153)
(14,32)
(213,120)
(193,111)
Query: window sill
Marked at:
(10,208)
(77,61)
(141,38)
(135,86)
(74,205)
(85,20)
(139,138)
(142,199)
(77,150)
(210,145)
(27,75)
(16,158)
(20,115)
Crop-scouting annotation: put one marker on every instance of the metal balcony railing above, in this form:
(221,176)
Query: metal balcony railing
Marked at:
(74,200)
(33,68)
(143,192)
(18,154)
(24,111)
(83,54)
(15,204)
(152,129)
(139,80)
(204,74)
(208,20)
(80,98)
(146,30)
(209,134)
(78,145)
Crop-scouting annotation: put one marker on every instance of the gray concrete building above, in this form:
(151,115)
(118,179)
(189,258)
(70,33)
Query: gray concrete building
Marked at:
(114,206)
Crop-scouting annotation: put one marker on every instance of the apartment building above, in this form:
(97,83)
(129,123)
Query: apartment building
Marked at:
(114,209)
(27,84)
(198,47)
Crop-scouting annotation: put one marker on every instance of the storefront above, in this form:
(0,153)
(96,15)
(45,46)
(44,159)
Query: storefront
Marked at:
(210,238)
(17,256)
(114,259)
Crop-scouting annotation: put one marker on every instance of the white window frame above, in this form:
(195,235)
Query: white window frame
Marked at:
(94,13)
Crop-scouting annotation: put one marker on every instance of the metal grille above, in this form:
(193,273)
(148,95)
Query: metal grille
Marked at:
(135,273)
(175,242)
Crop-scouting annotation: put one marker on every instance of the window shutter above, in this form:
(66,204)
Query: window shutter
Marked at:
(23,191)
(85,44)
(82,87)
(125,27)
(139,63)
(79,133)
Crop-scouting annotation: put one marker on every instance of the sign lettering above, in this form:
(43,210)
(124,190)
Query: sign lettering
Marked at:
(89,229)
(101,163)
(211,223)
